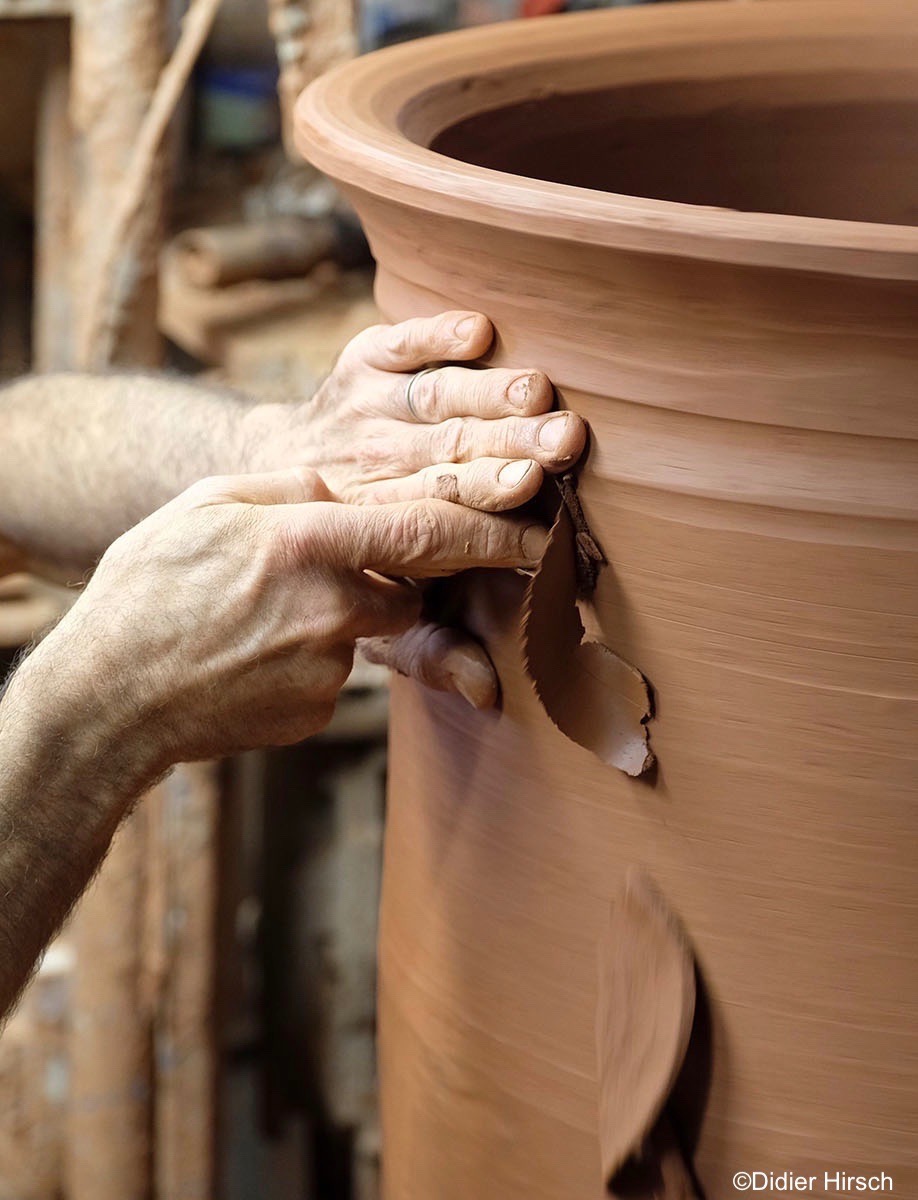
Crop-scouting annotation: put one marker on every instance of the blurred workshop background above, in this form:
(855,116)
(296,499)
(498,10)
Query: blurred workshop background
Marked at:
(204,1027)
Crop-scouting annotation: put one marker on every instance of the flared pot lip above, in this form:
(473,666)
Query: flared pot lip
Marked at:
(350,123)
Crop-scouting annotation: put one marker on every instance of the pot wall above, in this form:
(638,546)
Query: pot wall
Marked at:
(753,479)
(763,577)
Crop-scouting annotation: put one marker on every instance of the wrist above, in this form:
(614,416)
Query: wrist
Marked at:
(64,703)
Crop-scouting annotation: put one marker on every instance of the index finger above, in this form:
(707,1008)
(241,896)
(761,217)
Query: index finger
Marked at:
(413,344)
(418,539)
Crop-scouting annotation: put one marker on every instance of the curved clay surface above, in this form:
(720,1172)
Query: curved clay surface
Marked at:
(749,380)
(594,697)
(644,1010)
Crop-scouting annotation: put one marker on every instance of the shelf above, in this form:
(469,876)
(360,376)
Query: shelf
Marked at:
(34,8)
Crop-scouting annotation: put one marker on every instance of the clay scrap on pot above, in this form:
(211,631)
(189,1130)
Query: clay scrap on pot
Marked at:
(594,697)
(644,1011)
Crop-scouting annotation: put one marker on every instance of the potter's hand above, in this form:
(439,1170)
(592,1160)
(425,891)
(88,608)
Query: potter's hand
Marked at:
(225,620)
(478,437)
(228,618)
(481,438)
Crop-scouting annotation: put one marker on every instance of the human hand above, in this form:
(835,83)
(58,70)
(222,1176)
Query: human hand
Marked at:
(228,618)
(482,438)
(477,437)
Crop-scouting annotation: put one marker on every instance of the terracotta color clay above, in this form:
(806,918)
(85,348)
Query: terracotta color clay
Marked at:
(594,697)
(749,379)
(644,1010)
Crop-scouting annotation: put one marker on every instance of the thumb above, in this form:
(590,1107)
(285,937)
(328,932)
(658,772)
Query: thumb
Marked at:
(447,660)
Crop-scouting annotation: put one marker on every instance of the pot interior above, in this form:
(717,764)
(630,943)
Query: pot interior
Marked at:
(840,144)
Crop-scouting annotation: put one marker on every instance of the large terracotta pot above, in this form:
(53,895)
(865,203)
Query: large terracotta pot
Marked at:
(696,219)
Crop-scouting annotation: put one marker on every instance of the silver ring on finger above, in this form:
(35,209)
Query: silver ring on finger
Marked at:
(408,392)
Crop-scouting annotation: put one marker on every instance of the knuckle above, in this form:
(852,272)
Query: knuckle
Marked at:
(427,395)
(418,532)
(446,336)
(360,346)
(210,490)
(486,539)
(452,439)
(509,441)
(497,539)
(311,482)
(400,339)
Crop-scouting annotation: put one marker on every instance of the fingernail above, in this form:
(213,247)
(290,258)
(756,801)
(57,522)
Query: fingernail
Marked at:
(554,432)
(513,473)
(533,541)
(465,328)
(474,680)
(518,391)
(467,693)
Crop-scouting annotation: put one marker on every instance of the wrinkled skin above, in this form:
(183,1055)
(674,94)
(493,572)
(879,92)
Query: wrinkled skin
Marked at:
(239,603)
(483,438)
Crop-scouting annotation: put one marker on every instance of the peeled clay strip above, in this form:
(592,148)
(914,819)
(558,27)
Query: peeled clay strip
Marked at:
(644,1012)
(594,697)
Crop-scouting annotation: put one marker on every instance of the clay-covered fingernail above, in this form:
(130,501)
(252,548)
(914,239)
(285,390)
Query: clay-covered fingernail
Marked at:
(554,432)
(518,391)
(472,678)
(513,473)
(533,542)
(464,328)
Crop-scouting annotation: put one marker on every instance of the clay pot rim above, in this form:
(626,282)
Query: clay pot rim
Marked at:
(349,124)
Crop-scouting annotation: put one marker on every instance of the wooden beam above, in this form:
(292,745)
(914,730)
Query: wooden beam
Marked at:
(10,9)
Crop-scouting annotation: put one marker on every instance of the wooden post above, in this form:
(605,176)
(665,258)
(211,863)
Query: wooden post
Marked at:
(116,58)
(182,916)
(52,345)
(108,1147)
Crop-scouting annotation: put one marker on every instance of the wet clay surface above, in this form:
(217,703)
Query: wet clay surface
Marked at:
(594,697)
(644,1011)
(749,381)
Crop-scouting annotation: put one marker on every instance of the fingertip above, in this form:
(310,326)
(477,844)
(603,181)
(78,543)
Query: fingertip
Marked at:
(531,394)
(580,434)
(533,544)
(471,675)
(521,477)
(562,437)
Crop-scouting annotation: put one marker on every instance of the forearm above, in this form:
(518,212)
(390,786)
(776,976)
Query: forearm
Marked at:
(85,457)
(69,771)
